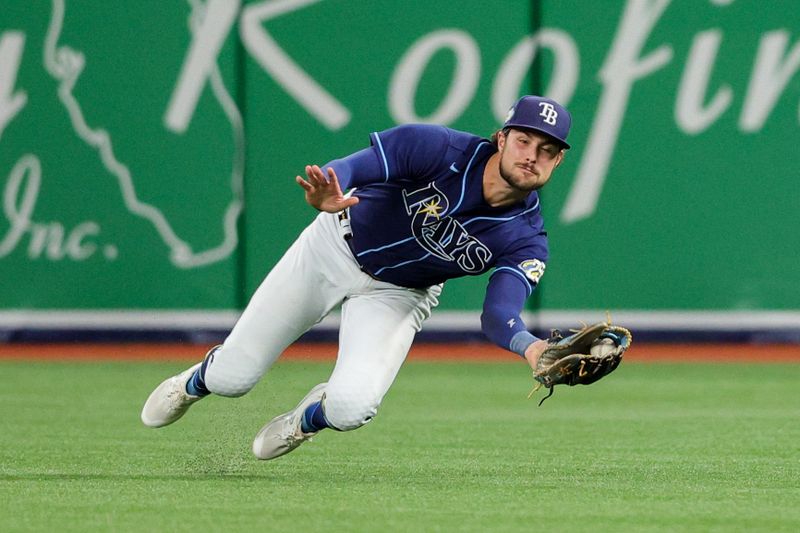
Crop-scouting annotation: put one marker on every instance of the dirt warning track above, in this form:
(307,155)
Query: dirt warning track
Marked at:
(478,352)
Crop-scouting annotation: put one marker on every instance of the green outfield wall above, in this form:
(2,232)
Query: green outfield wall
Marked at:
(148,149)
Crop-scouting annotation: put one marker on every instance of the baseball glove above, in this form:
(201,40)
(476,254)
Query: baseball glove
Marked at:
(581,358)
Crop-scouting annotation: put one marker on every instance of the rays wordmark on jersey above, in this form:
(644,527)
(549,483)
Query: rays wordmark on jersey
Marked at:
(443,236)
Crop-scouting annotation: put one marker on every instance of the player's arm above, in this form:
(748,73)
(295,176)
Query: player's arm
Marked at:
(403,152)
(501,319)
(358,169)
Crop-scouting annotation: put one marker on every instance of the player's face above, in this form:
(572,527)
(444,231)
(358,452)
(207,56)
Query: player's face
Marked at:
(527,159)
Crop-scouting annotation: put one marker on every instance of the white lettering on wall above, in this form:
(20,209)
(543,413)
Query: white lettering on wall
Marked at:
(407,75)
(772,71)
(515,68)
(690,113)
(208,36)
(622,67)
(48,240)
(295,81)
(11,103)
(697,106)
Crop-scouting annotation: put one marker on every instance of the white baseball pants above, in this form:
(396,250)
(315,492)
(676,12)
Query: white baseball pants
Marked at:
(317,274)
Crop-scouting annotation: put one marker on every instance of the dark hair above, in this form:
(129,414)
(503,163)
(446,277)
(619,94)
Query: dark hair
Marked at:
(493,138)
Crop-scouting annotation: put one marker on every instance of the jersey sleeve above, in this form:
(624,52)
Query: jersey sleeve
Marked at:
(410,152)
(501,321)
(356,169)
(514,279)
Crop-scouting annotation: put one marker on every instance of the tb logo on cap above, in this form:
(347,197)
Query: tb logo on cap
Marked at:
(549,113)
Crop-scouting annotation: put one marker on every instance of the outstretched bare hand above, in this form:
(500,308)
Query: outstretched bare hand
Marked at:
(323,192)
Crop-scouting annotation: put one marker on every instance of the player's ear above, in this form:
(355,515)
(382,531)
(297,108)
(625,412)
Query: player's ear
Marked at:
(560,157)
(501,140)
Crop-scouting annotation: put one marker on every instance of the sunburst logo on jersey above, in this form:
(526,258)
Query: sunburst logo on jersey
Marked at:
(431,208)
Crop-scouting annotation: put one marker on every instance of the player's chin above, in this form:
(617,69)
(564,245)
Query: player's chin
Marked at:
(527,182)
(537,181)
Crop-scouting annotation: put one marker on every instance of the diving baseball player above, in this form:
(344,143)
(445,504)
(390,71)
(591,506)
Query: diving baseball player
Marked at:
(425,204)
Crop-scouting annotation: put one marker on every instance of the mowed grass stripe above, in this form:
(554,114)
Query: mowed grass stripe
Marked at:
(456,447)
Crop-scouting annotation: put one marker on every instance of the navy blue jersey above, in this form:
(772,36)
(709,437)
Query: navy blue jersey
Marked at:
(422,219)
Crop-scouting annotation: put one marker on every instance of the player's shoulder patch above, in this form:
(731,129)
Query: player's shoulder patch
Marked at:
(533,269)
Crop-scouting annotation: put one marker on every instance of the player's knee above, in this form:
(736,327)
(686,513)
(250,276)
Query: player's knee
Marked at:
(233,372)
(346,411)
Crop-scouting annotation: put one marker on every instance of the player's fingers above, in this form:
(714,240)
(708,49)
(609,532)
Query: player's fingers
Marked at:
(312,175)
(332,178)
(304,184)
(316,175)
(334,181)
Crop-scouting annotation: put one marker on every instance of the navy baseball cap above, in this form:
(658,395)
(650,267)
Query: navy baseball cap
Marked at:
(540,114)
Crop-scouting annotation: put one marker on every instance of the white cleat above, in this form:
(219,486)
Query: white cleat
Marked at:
(283,434)
(169,401)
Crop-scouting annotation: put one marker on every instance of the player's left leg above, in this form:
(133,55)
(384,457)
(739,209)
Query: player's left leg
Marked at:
(311,278)
(377,328)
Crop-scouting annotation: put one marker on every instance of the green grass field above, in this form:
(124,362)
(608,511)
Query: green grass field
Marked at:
(456,447)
